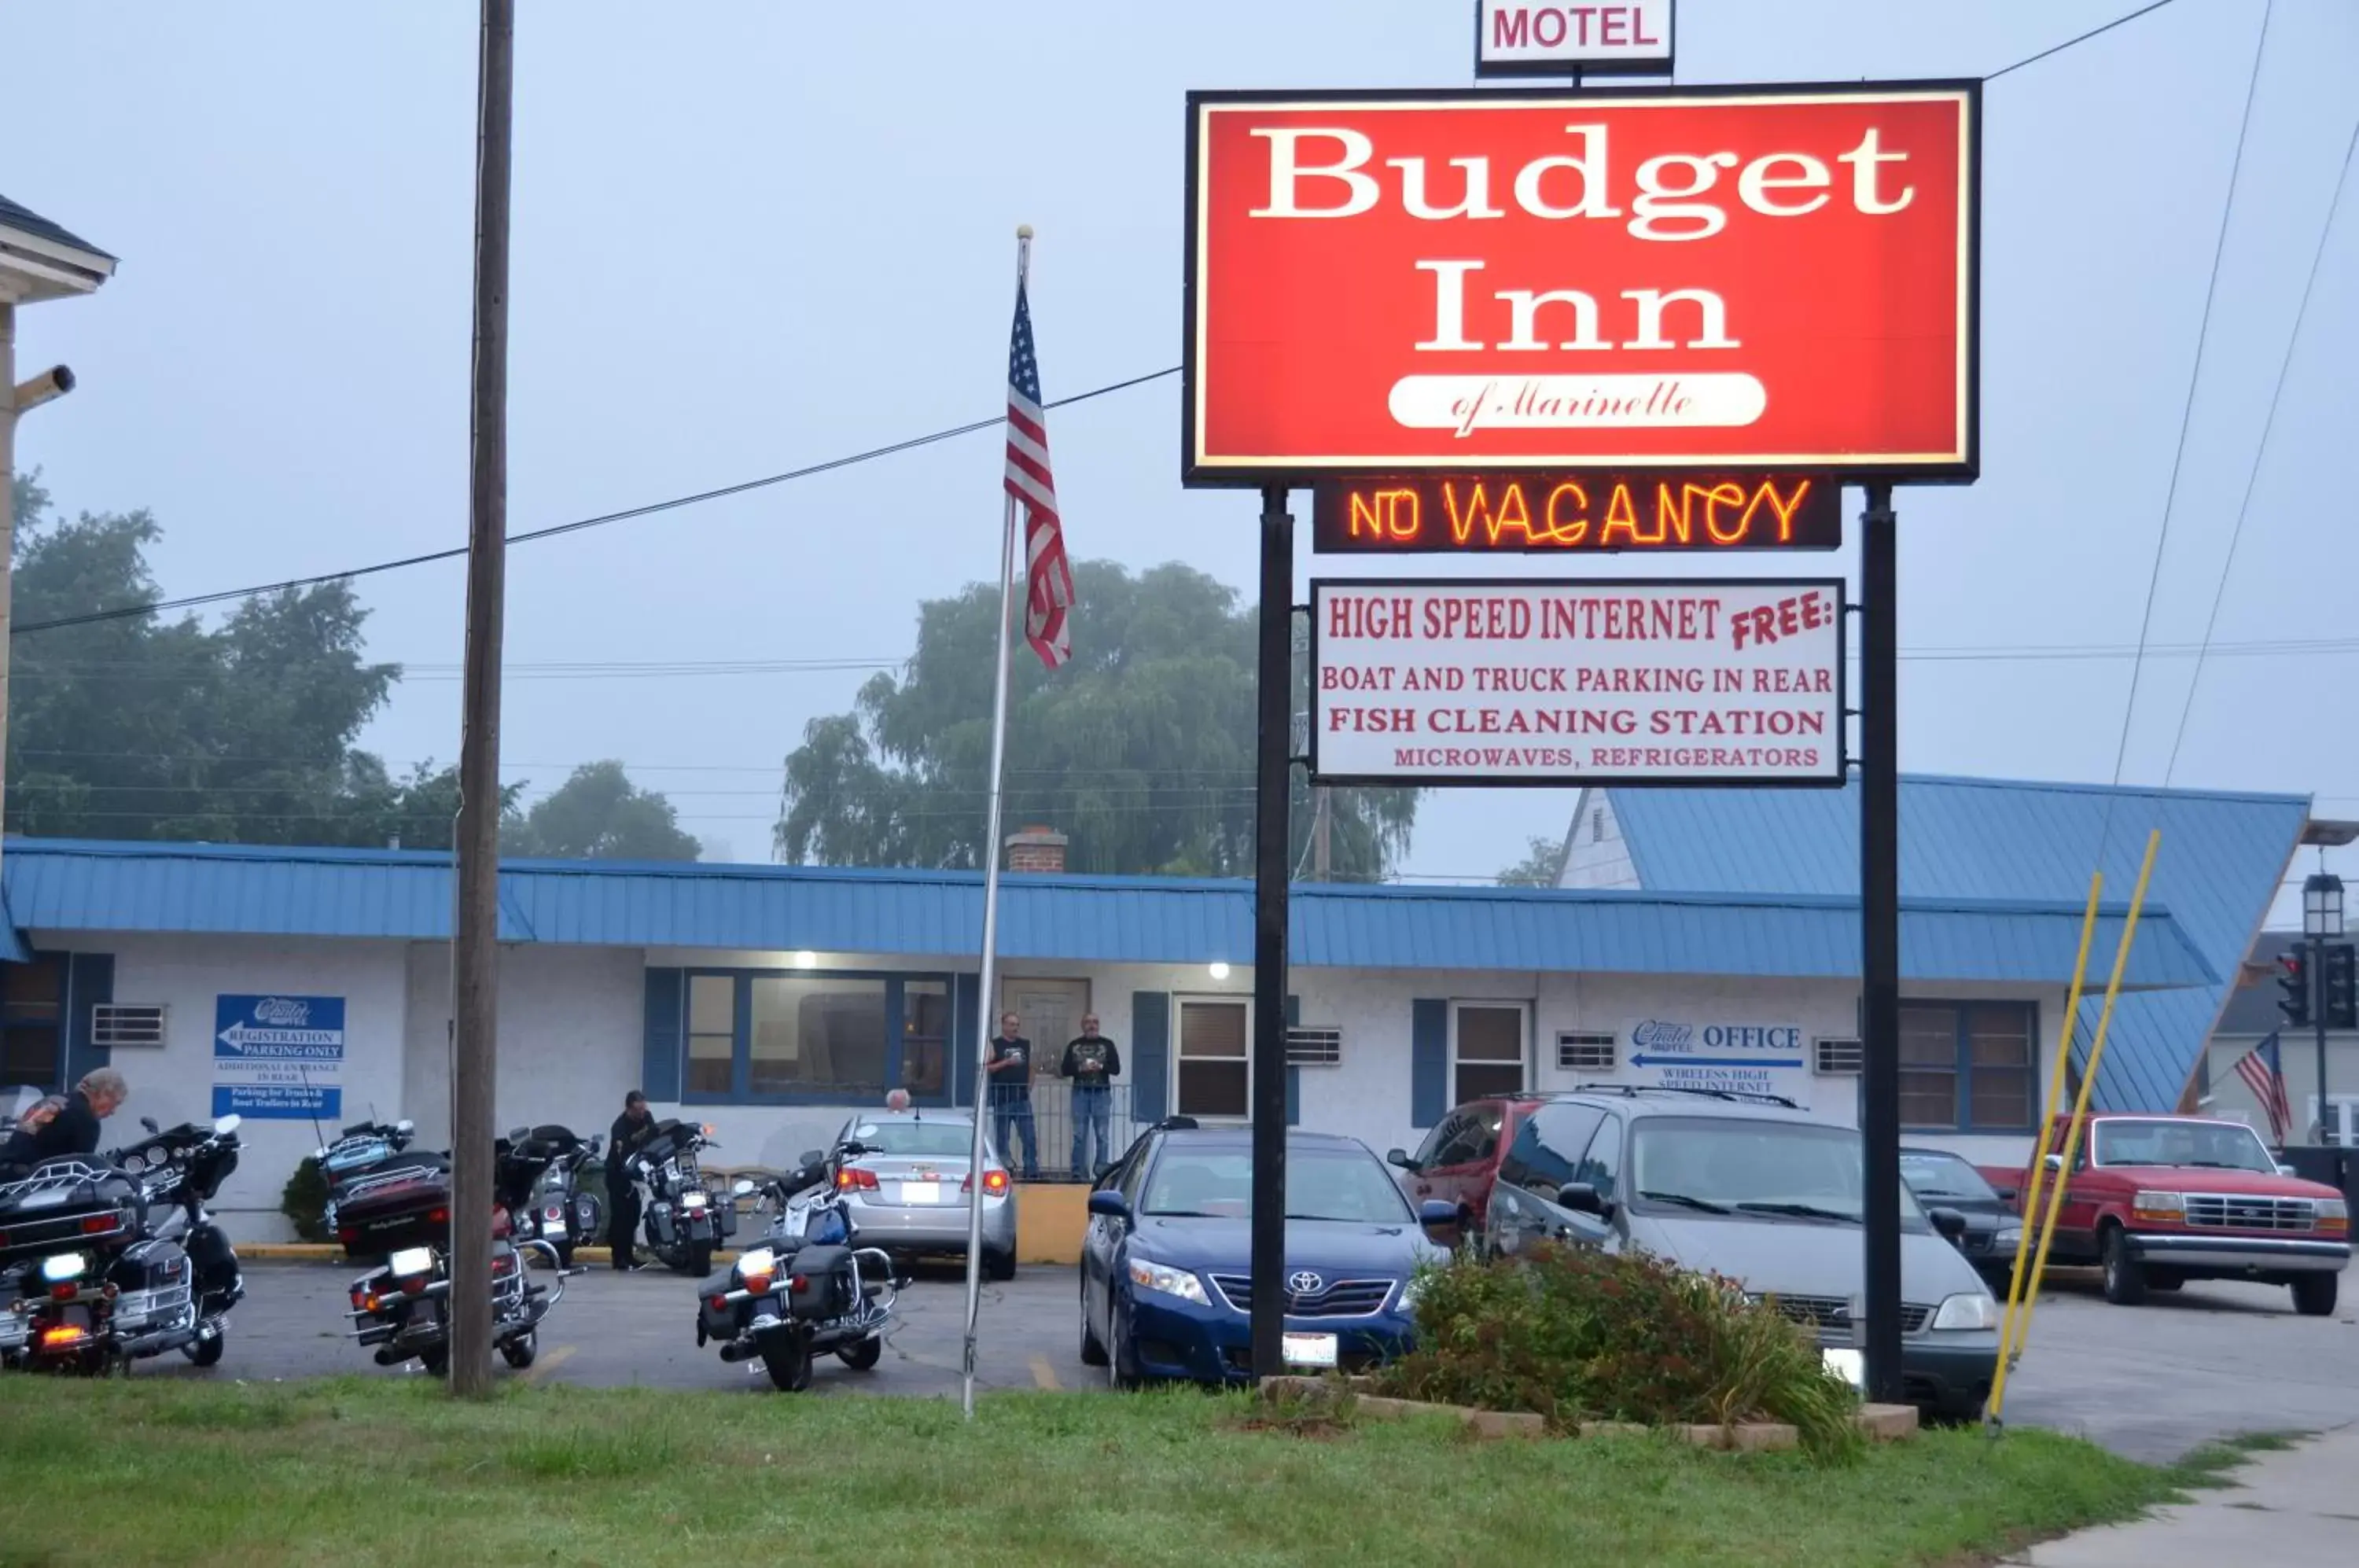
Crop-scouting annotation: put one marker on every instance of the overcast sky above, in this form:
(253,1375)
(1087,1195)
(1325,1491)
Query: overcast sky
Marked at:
(755,236)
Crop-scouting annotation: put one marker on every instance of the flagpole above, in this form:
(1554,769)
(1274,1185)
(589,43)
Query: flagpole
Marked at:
(985,1007)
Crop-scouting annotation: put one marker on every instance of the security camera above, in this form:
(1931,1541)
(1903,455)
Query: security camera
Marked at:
(54,382)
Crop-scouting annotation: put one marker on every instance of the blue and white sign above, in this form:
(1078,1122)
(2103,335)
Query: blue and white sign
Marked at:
(1740,1057)
(279,1056)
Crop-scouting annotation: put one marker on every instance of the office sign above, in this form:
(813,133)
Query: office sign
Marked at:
(1514,38)
(1576,514)
(1750,1058)
(1734,682)
(1716,279)
(277,1057)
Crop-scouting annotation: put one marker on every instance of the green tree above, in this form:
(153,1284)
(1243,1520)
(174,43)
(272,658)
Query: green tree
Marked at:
(1543,864)
(144,727)
(1140,748)
(599,814)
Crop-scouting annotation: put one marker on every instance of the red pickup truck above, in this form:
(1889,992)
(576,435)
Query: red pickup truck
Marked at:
(2158,1201)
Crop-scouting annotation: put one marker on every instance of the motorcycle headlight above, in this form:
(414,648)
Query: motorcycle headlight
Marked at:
(60,1267)
(1170,1281)
(1967,1310)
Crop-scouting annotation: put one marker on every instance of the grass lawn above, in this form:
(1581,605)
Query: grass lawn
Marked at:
(145,1471)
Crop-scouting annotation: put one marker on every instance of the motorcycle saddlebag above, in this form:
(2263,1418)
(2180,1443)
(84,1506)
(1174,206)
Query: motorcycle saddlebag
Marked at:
(826,1276)
(152,1281)
(385,1218)
(66,1204)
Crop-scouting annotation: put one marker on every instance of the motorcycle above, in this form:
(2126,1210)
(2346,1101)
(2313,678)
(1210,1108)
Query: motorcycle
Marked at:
(393,1209)
(809,1288)
(537,1182)
(360,1151)
(94,1277)
(687,1218)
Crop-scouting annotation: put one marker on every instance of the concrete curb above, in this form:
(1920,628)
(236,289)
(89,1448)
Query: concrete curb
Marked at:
(1879,1423)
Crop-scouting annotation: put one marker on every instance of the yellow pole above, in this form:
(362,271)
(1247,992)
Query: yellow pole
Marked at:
(2029,1197)
(2079,1114)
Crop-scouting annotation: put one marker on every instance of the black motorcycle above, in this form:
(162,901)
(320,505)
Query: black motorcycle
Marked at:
(392,1208)
(95,1274)
(809,1288)
(687,1219)
(537,1180)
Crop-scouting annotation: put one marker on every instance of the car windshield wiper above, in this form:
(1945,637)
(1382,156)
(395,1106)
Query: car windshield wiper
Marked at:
(2215,1165)
(1800,1211)
(1685,1202)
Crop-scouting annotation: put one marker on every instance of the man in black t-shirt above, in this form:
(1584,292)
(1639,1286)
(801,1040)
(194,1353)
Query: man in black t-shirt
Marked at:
(1090,1064)
(623,1193)
(1009,1059)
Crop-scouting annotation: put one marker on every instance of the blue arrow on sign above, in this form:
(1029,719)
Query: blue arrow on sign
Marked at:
(1676,1061)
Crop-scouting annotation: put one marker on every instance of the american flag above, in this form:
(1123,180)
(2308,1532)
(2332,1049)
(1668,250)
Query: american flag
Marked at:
(2265,1075)
(1048,580)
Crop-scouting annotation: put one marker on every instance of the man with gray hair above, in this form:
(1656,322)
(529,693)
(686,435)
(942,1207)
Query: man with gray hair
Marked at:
(74,1128)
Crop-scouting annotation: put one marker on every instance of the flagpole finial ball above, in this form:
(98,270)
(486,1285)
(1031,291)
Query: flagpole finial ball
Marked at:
(1023,231)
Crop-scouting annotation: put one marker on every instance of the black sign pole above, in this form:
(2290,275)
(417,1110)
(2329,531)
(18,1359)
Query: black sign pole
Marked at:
(1273,764)
(1880,937)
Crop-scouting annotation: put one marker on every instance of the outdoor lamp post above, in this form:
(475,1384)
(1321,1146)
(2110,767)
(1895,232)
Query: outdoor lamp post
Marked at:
(2322,920)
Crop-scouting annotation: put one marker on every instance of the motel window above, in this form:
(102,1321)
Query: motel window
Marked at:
(32,1019)
(1486,1050)
(1967,1066)
(1214,1068)
(766,1037)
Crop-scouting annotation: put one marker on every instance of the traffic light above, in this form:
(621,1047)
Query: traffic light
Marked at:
(2294,981)
(2341,998)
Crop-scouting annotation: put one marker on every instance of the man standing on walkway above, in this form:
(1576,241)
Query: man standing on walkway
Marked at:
(1091,1062)
(622,1192)
(1010,1066)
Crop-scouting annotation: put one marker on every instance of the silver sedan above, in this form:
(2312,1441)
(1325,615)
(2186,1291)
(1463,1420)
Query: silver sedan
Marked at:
(911,1191)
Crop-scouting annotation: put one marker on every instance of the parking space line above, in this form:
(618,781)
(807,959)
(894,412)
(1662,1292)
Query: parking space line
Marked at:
(1043,1374)
(545,1363)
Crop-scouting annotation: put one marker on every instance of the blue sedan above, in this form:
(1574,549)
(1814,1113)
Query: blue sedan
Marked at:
(1166,1282)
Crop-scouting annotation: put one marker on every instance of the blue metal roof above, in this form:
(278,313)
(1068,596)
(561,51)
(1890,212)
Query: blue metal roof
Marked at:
(74,886)
(2223,859)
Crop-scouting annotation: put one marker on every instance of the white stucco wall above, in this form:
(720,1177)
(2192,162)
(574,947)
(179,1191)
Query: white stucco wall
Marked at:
(571,1023)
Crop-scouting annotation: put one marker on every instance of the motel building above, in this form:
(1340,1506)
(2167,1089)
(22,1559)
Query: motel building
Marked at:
(1705,938)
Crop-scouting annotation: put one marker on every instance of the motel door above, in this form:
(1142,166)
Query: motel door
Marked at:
(1052,1011)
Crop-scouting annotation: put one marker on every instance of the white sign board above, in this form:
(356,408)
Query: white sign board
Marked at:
(1704,680)
(1631,38)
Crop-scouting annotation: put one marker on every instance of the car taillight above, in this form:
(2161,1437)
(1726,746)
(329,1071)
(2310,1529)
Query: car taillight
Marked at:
(995,1184)
(850,1177)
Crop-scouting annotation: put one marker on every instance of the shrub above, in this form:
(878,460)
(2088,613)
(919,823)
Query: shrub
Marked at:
(304,1201)
(1578,1334)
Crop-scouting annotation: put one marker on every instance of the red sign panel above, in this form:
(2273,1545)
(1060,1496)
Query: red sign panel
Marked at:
(1644,278)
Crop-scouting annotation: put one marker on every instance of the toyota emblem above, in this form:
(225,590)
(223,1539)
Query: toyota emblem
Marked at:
(1304,1283)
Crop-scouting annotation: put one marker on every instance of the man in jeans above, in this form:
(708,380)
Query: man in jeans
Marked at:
(1091,1062)
(1009,1062)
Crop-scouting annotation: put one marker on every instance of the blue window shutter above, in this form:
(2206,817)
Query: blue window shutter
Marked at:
(966,1028)
(1429,1061)
(1293,1074)
(1151,1055)
(659,1052)
(90,980)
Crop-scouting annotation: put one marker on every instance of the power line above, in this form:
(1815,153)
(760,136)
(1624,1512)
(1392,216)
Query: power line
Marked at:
(2083,39)
(2187,409)
(721,492)
(2268,425)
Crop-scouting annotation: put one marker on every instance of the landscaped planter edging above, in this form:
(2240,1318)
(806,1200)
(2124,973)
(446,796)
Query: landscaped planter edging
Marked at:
(1881,1423)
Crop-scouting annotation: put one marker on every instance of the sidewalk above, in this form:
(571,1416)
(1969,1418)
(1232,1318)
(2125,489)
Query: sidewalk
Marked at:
(2282,1510)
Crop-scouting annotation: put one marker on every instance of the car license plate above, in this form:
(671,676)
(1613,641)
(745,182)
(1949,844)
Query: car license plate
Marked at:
(921,1192)
(1847,1365)
(1308,1349)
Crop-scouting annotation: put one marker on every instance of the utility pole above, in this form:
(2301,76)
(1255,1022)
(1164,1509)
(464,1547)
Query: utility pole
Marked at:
(477,956)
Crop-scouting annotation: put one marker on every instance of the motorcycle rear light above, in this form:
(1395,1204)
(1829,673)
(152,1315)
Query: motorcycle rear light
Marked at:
(757,1284)
(97,1224)
(718,1303)
(348,1235)
(59,1336)
(852,1176)
(504,1265)
(437,1216)
(63,1290)
(800,1283)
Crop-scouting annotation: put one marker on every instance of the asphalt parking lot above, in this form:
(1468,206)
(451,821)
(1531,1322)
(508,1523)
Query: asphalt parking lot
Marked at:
(2151,1382)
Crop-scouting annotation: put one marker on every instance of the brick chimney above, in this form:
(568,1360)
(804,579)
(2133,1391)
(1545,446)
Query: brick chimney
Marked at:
(1036,849)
